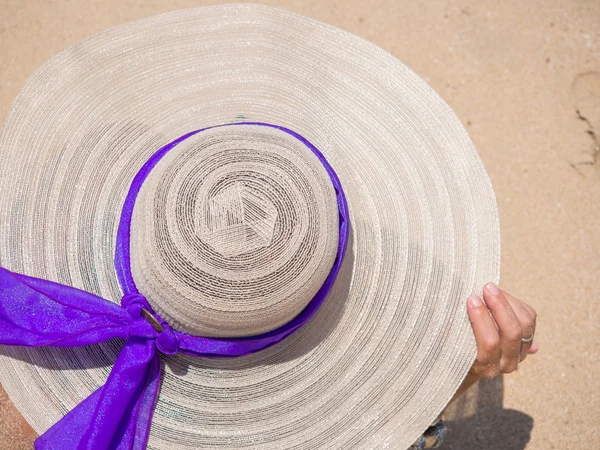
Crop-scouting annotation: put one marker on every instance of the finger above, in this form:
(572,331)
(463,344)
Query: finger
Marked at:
(523,306)
(534,347)
(509,327)
(527,317)
(487,364)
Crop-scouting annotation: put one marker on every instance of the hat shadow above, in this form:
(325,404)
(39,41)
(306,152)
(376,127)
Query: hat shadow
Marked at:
(478,419)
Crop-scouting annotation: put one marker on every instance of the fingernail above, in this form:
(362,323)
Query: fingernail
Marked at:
(492,289)
(474,301)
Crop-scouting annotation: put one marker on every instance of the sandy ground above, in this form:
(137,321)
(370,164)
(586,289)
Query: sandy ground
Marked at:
(524,77)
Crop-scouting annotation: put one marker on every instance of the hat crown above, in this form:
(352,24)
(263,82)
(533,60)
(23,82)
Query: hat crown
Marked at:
(234,231)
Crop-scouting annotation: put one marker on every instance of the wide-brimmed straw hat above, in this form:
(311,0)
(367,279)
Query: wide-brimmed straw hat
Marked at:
(295,217)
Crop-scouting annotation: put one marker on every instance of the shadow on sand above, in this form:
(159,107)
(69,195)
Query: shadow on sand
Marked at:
(478,420)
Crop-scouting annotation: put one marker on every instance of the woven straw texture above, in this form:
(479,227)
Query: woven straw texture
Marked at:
(391,343)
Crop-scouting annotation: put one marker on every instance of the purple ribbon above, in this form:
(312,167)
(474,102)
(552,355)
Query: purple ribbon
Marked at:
(36,312)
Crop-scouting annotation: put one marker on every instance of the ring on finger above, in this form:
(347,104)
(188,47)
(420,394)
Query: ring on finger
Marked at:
(528,339)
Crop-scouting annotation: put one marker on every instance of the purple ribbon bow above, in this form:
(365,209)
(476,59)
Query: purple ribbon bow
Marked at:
(36,312)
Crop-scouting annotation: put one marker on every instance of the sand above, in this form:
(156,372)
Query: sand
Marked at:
(524,77)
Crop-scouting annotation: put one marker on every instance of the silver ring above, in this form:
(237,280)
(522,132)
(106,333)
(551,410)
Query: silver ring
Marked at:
(527,340)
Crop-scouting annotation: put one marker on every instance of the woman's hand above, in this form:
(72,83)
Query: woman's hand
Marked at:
(499,328)
(499,331)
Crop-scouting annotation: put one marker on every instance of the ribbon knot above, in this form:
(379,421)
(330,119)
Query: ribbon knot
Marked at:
(167,341)
(134,303)
(138,307)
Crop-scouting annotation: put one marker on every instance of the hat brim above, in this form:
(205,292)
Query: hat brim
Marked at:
(392,342)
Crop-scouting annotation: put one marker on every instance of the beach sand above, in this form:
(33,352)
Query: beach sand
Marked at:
(524,78)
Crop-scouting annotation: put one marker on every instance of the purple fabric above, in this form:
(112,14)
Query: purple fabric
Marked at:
(36,312)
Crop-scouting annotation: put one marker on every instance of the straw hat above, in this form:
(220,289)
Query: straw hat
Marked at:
(236,229)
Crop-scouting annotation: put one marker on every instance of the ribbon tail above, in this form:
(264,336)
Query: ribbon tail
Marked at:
(36,312)
(68,432)
(117,416)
